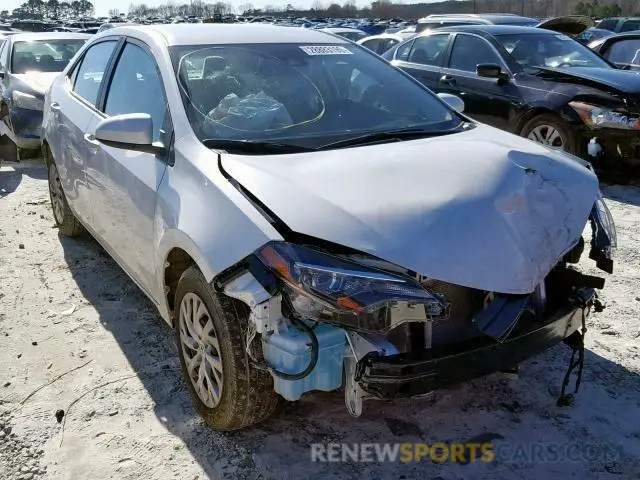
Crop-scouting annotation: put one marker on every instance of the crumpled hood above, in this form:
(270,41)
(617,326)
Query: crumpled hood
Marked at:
(622,80)
(37,81)
(483,208)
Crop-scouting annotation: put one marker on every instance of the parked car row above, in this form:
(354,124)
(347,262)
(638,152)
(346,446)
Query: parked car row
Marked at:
(537,83)
(307,216)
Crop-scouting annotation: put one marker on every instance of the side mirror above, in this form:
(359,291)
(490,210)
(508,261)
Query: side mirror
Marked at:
(453,101)
(491,70)
(131,131)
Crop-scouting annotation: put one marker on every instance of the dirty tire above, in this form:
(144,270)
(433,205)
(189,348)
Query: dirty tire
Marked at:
(247,394)
(555,122)
(68,224)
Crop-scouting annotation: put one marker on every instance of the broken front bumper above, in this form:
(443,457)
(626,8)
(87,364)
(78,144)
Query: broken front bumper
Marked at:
(616,155)
(406,375)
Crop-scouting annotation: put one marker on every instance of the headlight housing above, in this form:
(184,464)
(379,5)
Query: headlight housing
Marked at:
(27,101)
(323,287)
(601,117)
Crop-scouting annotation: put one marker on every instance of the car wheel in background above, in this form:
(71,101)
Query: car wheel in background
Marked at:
(551,131)
(68,224)
(228,391)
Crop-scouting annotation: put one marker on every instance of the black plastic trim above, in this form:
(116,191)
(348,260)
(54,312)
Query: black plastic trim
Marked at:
(410,374)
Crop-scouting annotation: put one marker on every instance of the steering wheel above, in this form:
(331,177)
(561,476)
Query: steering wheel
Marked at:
(565,64)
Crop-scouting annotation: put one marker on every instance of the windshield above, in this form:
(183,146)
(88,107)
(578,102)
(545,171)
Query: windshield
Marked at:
(302,95)
(43,55)
(532,50)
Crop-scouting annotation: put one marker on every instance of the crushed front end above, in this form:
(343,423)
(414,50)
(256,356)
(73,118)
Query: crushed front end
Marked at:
(321,314)
(610,138)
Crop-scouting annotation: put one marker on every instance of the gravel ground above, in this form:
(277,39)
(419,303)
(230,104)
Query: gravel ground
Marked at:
(64,303)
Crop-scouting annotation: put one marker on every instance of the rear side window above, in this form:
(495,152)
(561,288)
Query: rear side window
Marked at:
(630,26)
(89,74)
(387,45)
(469,52)
(429,50)
(402,53)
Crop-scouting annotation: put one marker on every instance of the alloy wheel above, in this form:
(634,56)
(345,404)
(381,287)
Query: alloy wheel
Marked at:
(547,135)
(56,194)
(201,349)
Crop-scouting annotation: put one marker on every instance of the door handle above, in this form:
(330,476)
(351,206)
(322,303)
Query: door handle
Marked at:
(55,106)
(448,80)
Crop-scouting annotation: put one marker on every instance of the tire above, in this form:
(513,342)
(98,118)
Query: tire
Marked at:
(536,129)
(246,396)
(68,224)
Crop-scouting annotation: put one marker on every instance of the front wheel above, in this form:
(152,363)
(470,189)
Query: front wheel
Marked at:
(68,224)
(551,131)
(227,390)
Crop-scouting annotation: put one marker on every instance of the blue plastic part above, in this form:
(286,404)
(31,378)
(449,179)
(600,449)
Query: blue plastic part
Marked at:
(290,352)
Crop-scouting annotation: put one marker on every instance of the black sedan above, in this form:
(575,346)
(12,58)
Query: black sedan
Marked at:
(540,84)
(623,50)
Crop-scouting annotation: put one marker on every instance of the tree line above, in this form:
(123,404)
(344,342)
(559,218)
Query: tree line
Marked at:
(348,9)
(38,9)
(407,10)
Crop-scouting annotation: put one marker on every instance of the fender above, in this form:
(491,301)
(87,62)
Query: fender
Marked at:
(199,211)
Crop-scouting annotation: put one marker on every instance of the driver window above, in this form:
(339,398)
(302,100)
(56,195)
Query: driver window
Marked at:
(469,52)
(136,87)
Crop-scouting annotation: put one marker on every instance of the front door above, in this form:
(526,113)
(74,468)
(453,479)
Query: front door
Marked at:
(487,100)
(124,200)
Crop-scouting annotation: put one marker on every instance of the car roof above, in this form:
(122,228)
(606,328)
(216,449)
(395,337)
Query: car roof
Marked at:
(496,29)
(31,36)
(490,17)
(228,33)
(341,29)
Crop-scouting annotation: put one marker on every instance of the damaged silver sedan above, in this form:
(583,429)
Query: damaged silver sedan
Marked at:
(309,217)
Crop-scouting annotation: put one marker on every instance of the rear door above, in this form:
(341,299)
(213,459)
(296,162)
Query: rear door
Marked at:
(424,57)
(72,105)
(124,199)
(486,99)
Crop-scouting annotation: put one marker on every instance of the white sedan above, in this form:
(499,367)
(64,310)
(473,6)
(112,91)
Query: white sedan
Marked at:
(297,231)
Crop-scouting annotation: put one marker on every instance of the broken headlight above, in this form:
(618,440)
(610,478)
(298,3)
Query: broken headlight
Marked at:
(601,117)
(327,288)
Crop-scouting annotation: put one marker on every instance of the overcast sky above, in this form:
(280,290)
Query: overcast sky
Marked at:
(103,6)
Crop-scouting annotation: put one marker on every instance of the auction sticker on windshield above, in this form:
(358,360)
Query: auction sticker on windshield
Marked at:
(326,50)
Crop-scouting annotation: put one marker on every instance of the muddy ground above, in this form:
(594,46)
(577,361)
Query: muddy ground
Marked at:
(64,303)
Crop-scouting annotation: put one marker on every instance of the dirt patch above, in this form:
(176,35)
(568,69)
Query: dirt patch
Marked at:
(65,302)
